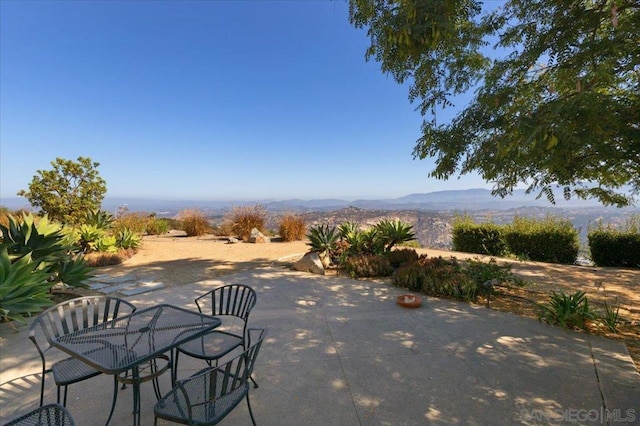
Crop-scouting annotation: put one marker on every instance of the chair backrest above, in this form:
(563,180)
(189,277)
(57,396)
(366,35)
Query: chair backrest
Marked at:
(215,383)
(47,415)
(233,300)
(73,315)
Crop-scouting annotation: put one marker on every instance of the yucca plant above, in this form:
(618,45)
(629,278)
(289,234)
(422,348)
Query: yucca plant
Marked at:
(323,240)
(393,232)
(568,311)
(24,287)
(611,317)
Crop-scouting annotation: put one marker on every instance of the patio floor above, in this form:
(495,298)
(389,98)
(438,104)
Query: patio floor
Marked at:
(342,352)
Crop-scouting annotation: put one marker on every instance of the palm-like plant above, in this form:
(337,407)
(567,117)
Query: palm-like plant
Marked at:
(392,232)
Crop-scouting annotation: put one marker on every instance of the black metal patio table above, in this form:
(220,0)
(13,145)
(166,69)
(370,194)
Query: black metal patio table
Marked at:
(122,345)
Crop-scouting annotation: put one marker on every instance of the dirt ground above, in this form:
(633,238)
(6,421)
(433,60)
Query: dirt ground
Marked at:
(177,260)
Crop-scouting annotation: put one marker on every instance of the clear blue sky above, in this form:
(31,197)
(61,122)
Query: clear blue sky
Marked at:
(205,100)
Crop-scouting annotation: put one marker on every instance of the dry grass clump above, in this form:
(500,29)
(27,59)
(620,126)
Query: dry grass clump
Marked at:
(135,222)
(194,222)
(96,259)
(5,212)
(292,228)
(244,218)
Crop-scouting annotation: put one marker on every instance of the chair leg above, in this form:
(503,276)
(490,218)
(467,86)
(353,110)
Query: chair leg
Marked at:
(255,384)
(64,401)
(250,411)
(114,399)
(42,389)
(156,384)
(174,369)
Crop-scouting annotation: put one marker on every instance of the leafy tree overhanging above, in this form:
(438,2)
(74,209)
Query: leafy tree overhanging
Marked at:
(560,110)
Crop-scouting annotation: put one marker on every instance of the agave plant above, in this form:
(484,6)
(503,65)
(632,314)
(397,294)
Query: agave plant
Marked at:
(568,311)
(73,272)
(99,218)
(106,244)
(394,232)
(43,241)
(348,229)
(323,240)
(24,287)
(127,239)
(89,235)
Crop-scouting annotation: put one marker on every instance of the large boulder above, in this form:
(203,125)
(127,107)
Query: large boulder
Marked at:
(258,237)
(310,262)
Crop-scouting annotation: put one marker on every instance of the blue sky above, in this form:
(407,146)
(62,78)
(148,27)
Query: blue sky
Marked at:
(205,100)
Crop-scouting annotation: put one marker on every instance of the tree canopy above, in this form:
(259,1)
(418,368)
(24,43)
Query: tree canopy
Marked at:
(68,191)
(556,105)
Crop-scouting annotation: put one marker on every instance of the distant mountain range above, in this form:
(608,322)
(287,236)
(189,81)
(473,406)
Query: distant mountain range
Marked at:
(431,214)
(450,200)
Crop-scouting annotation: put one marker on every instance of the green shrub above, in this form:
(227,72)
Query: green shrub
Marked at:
(552,239)
(367,265)
(450,282)
(136,222)
(616,247)
(193,222)
(436,277)
(292,227)
(410,276)
(157,226)
(481,238)
(244,218)
(484,272)
(401,257)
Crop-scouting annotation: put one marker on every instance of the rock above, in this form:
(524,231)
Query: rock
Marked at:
(310,262)
(258,237)
(232,240)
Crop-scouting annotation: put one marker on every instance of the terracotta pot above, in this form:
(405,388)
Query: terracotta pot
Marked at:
(409,300)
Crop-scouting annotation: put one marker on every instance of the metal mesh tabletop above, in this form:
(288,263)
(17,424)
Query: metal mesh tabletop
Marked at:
(121,344)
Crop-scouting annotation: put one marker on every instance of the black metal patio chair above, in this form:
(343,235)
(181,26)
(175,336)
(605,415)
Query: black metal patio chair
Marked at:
(68,317)
(232,304)
(47,415)
(211,394)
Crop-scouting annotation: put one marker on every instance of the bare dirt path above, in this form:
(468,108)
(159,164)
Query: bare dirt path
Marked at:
(176,260)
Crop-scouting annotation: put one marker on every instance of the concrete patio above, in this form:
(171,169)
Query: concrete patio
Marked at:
(342,352)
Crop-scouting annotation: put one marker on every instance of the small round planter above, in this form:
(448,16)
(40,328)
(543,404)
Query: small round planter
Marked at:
(409,301)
